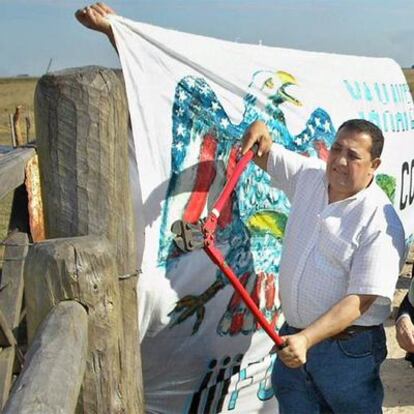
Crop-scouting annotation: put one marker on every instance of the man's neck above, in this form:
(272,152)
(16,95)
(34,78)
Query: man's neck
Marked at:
(333,197)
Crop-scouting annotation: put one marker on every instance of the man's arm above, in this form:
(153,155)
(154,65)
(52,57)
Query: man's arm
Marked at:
(94,17)
(404,327)
(257,133)
(405,308)
(339,317)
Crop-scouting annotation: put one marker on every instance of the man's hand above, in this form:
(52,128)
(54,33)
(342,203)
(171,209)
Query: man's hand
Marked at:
(405,333)
(257,133)
(339,316)
(94,17)
(294,353)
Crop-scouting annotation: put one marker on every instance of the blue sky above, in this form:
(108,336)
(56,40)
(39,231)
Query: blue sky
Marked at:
(34,31)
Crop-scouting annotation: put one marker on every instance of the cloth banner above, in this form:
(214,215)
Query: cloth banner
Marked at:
(191,99)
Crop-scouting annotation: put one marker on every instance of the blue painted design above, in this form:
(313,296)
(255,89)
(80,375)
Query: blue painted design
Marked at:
(265,391)
(197,112)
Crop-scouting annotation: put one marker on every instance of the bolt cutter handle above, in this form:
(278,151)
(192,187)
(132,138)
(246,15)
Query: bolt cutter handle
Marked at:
(202,235)
(217,258)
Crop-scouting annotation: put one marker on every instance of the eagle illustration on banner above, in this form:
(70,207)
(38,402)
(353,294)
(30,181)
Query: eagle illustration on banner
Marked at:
(204,153)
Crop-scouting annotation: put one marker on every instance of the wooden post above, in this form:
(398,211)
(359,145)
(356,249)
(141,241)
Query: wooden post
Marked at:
(11,299)
(11,293)
(81,118)
(12,133)
(55,364)
(7,356)
(16,125)
(82,269)
(28,126)
(35,203)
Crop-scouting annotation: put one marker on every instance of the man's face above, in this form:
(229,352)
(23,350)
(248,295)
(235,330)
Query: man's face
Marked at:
(349,166)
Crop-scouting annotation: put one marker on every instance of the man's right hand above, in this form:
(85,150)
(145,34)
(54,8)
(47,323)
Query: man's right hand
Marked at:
(94,17)
(405,333)
(294,353)
(257,133)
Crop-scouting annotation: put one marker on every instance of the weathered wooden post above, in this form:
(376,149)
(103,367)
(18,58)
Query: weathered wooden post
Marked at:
(11,299)
(82,268)
(54,365)
(82,133)
(28,126)
(16,123)
(12,132)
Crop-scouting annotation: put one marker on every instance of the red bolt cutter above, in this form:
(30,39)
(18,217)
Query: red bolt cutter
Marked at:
(189,237)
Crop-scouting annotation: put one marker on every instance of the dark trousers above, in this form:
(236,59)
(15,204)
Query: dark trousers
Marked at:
(340,376)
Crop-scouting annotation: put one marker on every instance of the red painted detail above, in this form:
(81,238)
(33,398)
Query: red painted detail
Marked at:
(258,288)
(205,175)
(236,323)
(275,318)
(270,291)
(236,299)
(226,212)
(257,294)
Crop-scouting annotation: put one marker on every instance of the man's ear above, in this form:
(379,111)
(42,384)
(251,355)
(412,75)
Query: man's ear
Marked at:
(375,163)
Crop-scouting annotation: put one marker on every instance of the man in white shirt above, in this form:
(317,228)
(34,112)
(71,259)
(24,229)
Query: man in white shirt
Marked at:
(341,258)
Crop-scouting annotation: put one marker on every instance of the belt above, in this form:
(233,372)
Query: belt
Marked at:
(351,331)
(347,333)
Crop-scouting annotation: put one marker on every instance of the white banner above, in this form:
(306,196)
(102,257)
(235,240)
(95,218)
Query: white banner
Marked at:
(190,99)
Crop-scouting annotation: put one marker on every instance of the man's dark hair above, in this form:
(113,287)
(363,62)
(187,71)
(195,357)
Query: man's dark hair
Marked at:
(361,125)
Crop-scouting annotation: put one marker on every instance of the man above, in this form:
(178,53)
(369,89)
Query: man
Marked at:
(342,251)
(332,240)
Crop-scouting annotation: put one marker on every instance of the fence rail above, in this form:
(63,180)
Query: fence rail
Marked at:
(53,372)
(12,168)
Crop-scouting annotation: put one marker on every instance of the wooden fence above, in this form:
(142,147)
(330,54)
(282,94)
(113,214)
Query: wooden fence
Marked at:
(80,282)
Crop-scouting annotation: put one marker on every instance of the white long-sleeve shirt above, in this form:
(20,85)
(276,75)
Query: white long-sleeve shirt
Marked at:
(353,246)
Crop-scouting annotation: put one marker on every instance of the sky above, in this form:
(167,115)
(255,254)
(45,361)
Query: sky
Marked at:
(32,32)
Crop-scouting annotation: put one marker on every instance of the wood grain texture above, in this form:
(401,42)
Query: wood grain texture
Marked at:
(82,130)
(7,356)
(82,269)
(55,364)
(12,282)
(12,166)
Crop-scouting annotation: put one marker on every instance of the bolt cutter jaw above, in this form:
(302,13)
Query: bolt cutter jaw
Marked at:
(188,236)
